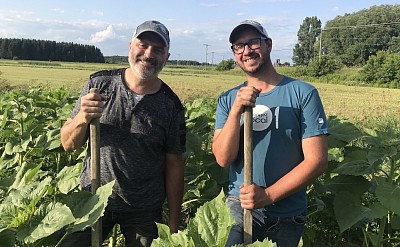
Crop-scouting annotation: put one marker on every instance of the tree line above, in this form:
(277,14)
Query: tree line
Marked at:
(44,50)
(350,39)
(124,59)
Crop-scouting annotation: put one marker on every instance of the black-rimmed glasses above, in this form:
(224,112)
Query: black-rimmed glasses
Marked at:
(252,44)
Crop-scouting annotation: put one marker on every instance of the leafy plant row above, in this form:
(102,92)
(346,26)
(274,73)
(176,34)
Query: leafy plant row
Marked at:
(355,203)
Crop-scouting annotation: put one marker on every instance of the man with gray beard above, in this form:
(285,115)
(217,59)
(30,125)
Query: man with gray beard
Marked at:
(143,130)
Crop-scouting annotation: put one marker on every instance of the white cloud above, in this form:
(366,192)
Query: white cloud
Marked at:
(101,36)
(89,24)
(98,13)
(188,31)
(59,11)
(210,5)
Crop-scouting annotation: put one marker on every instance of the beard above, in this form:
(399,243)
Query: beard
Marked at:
(255,70)
(145,67)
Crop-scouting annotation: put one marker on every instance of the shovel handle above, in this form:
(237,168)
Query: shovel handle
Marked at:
(248,170)
(95,150)
(95,171)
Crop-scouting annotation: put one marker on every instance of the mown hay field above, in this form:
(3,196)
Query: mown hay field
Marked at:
(352,102)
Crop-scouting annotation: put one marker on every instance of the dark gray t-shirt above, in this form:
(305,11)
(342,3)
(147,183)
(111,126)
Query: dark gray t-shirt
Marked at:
(134,140)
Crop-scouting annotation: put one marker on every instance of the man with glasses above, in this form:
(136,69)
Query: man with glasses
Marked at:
(289,142)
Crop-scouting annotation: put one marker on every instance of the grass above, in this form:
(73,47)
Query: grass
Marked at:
(50,74)
(360,104)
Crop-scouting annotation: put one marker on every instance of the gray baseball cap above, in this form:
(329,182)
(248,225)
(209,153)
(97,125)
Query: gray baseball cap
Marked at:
(153,26)
(251,23)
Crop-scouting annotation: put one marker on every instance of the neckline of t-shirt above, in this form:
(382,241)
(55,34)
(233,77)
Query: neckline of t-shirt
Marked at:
(272,90)
(123,80)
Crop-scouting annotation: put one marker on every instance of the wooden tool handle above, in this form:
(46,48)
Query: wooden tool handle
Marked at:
(95,150)
(95,171)
(248,170)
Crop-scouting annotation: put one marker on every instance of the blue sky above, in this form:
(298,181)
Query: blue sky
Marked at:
(195,26)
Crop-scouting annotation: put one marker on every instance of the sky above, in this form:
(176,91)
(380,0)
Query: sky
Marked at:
(199,30)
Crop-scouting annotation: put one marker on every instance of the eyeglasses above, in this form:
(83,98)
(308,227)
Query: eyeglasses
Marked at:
(252,44)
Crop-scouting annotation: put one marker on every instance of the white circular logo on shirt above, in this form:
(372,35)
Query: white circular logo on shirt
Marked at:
(262,117)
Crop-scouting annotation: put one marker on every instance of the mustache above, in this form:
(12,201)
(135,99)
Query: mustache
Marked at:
(145,59)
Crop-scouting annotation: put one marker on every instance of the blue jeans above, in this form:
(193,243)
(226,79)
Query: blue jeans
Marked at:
(136,234)
(285,231)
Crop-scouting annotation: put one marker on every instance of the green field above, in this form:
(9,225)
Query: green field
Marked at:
(352,102)
(352,204)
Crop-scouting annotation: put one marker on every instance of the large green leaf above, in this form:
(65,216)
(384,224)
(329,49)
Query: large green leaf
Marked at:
(342,132)
(7,238)
(212,223)
(53,139)
(265,243)
(26,197)
(356,168)
(349,211)
(91,209)
(378,211)
(379,153)
(396,222)
(209,227)
(19,205)
(68,178)
(355,185)
(47,221)
(9,216)
(389,195)
(179,239)
(25,174)
(8,148)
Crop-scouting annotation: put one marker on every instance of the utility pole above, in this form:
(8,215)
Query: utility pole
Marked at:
(320,45)
(177,61)
(207,45)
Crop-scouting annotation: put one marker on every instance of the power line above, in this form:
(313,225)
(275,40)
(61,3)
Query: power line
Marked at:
(364,25)
(349,27)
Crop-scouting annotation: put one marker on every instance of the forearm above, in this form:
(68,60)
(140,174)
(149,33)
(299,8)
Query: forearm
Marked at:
(174,188)
(225,145)
(74,134)
(314,164)
(299,178)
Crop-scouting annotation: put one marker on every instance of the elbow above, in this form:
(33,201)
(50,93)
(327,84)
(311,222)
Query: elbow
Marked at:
(66,147)
(323,166)
(223,162)
(68,143)
(223,156)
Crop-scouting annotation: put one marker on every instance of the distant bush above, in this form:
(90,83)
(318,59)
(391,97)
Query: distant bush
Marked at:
(382,69)
(40,63)
(322,66)
(225,65)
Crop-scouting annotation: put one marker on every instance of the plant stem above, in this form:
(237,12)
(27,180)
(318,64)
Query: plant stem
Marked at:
(381,231)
